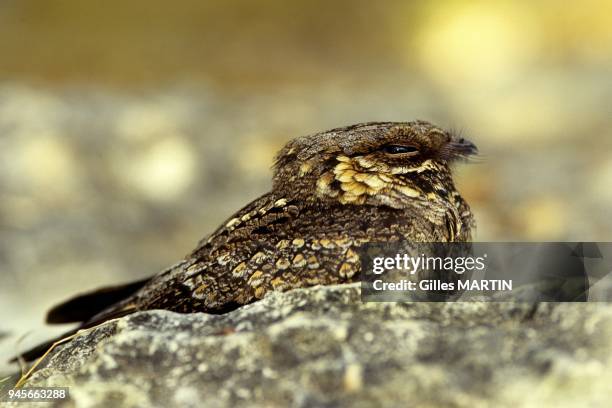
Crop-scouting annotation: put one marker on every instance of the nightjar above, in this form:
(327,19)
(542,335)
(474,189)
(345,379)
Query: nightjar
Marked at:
(332,193)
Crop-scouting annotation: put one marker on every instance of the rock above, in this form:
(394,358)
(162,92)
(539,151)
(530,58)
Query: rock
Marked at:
(322,347)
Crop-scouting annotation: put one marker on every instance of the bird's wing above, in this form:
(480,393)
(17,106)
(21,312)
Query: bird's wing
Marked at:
(272,244)
(212,277)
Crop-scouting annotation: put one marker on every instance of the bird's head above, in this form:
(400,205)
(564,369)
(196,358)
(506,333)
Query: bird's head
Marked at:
(383,163)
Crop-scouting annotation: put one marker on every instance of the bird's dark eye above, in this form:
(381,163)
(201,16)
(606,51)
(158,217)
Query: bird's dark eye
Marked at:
(399,149)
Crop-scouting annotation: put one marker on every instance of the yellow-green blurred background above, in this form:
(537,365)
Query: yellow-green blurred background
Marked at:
(130,129)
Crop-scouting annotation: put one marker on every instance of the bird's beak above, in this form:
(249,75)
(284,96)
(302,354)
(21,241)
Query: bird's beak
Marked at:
(464,147)
(459,148)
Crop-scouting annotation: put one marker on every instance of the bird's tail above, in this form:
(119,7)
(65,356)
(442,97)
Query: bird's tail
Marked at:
(89,309)
(83,308)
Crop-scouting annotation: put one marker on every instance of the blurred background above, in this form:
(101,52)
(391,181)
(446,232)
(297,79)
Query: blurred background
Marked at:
(129,130)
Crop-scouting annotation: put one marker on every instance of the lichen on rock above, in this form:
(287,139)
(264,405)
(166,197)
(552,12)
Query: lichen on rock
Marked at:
(322,346)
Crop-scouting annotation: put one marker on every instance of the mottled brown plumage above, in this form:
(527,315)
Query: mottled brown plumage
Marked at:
(332,193)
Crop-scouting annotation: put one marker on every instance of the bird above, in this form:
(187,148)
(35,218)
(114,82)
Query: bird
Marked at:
(332,193)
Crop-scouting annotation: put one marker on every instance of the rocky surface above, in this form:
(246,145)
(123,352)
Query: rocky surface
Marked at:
(324,347)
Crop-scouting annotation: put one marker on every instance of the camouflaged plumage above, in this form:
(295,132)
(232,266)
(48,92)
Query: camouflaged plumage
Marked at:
(332,193)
